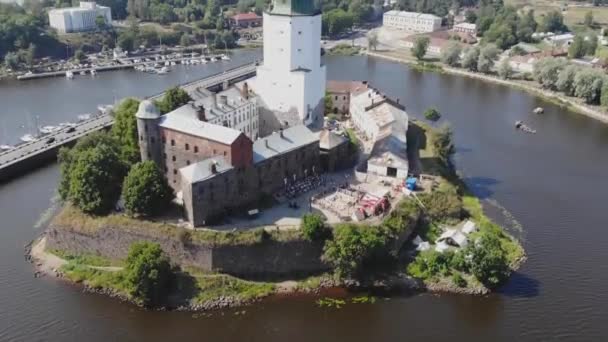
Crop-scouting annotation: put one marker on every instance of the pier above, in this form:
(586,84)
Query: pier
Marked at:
(27,156)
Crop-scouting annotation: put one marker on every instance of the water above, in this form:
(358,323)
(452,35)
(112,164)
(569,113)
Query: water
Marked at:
(553,183)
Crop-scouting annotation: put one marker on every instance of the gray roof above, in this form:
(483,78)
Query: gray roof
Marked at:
(185,119)
(202,170)
(329,140)
(213,104)
(147,110)
(275,144)
(390,148)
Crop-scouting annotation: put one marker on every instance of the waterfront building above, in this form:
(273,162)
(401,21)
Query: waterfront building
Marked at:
(245,20)
(440,40)
(340,92)
(78,19)
(411,21)
(291,82)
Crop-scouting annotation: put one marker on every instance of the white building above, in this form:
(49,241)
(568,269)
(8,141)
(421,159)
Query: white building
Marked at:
(234,108)
(385,122)
(291,82)
(77,19)
(412,21)
(466,28)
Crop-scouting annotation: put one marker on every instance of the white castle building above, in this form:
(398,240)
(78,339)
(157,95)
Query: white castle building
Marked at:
(291,82)
(412,21)
(77,19)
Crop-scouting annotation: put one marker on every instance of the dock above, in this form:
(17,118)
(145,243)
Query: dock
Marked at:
(27,156)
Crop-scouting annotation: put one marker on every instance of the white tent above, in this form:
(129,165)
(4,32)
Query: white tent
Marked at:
(442,247)
(423,246)
(417,240)
(469,227)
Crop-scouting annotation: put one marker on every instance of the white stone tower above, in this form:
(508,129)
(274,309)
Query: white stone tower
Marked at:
(291,81)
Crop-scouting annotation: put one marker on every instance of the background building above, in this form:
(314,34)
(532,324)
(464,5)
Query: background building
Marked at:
(340,92)
(466,28)
(77,19)
(291,82)
(244,20)
(411,21)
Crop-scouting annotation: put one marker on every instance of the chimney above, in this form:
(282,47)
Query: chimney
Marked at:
(245,91)
(201,113)
(281,133)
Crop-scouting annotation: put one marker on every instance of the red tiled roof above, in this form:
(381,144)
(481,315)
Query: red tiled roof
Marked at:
(344,86)
(246,16)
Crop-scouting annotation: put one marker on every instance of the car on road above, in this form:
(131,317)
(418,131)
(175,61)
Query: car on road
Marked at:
(50,140)
(70,129)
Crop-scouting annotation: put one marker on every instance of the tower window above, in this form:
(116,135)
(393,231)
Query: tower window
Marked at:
(299,32)
(164,140)
(173,158)
(195,149)
(174,172)
(187,162)
(187,147)
(172,142)
(152,140)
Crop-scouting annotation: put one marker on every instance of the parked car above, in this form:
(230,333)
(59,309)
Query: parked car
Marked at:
(50,140)
(70,129)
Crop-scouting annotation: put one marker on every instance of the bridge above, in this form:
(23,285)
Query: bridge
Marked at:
(27,156)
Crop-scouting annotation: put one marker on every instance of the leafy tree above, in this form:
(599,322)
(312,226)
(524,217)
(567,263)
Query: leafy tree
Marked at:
(360,11)
(578,48)
(588,21)
(148,273)
(100,22)
(553,22)
(451,54)
(547,70)
(488,261)
(174,98)
(11,60)
(565,80)
(430,263)
(95,178)
(145,190)
(243,6)
(127,41)
(588,85)
(329,103)
(79,56)
(444,144)
(471,56)
(487,56)
(336,21)
(604,97)
(442,205)
(421,44)
(591,45)
(212,10)
(185,40)
(372,41)
(313,228)
(124,130)
(432,114)
(504,69)
(353,248)
(470,16)
(30,54)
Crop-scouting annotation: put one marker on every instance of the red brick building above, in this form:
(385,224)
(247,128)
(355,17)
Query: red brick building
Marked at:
(244,20)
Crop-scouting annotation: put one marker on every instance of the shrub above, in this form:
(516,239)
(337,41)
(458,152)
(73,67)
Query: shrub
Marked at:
(432,114)
(353,248)
(442,205)
(313,228)
(459,280)
(488,260)
(429,264)
(148,273)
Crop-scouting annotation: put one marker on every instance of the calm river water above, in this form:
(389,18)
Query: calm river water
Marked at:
(554,184)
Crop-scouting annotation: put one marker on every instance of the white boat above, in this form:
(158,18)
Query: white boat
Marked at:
(195,61)
(83,72)
(48,129)
(28,138)
(162,71)
(5,147)
(93,72)
(69,75)
(225,58)
(83,117)
(172,63)
(167,63)
(204,61)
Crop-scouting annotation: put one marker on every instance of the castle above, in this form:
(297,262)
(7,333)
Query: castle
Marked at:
(214,151)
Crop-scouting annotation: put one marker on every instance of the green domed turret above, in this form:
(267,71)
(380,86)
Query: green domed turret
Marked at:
(295,7)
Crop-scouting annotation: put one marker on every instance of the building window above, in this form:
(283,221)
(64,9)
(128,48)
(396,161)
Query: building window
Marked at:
(146,127)
(149,155)
(214,152)
(172,142)
(165,156)
(195,149)
(187,147)
(164,140)
(187,162)
(225,153)
(141,138)
(336,97)
(174,172)
(152,140)
(173,158)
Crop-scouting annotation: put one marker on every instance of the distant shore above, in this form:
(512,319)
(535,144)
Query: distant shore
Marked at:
(576,105)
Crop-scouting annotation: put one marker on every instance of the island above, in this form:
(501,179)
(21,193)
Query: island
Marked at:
(277,183)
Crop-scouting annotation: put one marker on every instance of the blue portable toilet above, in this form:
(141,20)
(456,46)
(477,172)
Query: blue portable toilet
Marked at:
(410,183)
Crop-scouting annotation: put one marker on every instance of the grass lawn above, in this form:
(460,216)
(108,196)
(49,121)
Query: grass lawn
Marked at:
(573,15)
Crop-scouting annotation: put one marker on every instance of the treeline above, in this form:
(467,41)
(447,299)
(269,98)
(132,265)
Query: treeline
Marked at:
(438,7)
(341,16)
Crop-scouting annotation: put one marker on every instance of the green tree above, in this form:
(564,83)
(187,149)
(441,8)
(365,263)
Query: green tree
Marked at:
(174,98)
(243,6)
(329,103)
(588,21)
(145,190)
(504,69)
(591,45)
(185,40)
(444,145)
(443,204)
(553,22)
(578,48)
(95,178)
(30,54)
(100,22)
(487,57)
(470,16)
(336,21)
(471,56)
(11,60)
(124,130)
(148,273)
(432,114)
(353,248)
(313,227)
(451,54)
(546,71)
(212,10)
(565,80)
(488,261)
(79,56)
(604,97)
(421,44)
(588,85)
